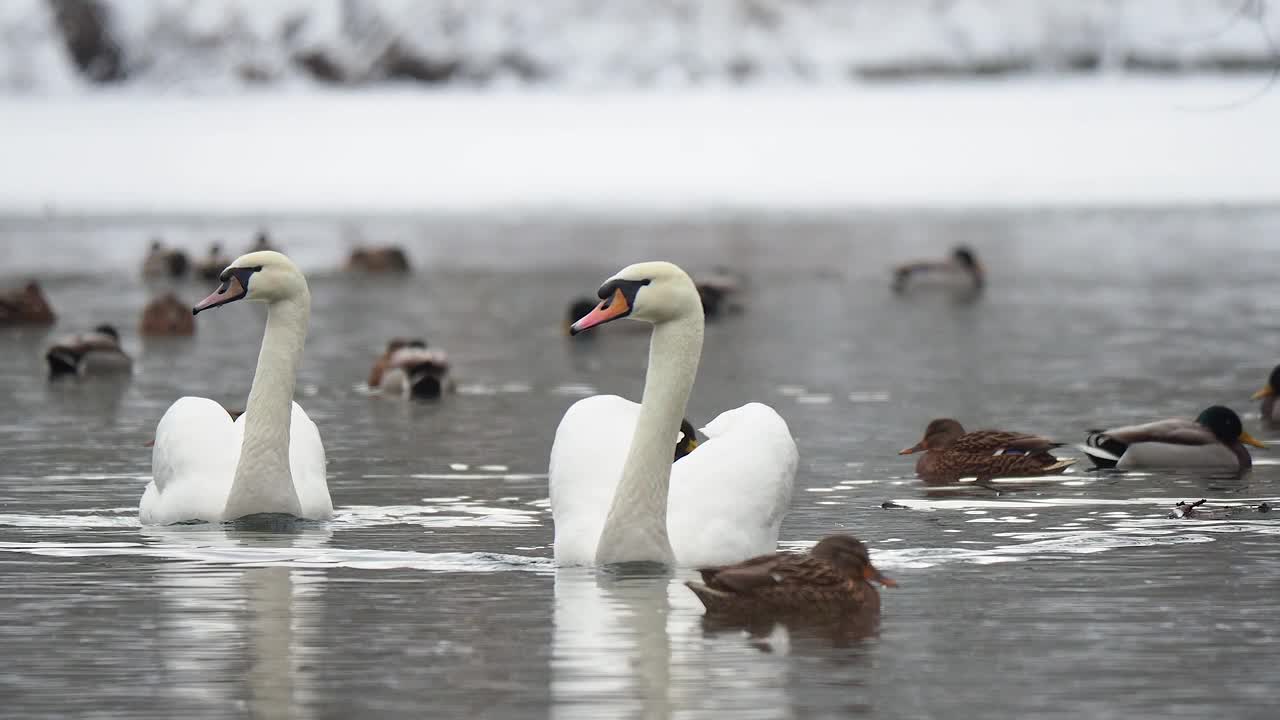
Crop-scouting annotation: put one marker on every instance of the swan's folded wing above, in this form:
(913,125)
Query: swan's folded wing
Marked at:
(586,463)
(729,496)
(1175,431)
(193,462)
(307,465)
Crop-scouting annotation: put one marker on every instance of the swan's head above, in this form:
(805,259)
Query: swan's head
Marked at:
(264,276)
(654,292)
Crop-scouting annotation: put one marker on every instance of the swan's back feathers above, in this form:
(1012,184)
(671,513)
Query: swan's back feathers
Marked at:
(727,499)
(729,496)
(193,464)
(590,448)
(193,461)
(308,466)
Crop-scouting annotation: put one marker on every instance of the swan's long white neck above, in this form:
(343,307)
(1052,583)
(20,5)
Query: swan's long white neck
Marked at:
(263,482)
(636,527)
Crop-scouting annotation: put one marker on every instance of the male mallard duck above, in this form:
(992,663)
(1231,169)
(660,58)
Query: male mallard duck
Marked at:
(717,290)
(167,315)
(950,454)
(212,265)
(388,259)
(833,578)
(25,306)
(1214,440)
(162,262)
(688,441)
(961,271)
(1268,395)
(95,353)
(408,368)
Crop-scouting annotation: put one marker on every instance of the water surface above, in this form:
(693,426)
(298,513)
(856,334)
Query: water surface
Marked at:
(432,592)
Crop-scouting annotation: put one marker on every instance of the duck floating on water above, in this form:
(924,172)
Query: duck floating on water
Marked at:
(1268,396)
(91,354)
(165,262)
(961,271)
(834,578)
(409,369)
(26,305)
(1215,439)
(212,265)
(167,316)
(387,259)
(950,454)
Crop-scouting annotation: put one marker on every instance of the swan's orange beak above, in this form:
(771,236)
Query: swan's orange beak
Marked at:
(229,291)
(611,308)
(913,449)
(871,574)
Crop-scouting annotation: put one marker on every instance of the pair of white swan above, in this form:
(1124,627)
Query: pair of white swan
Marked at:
(615,494)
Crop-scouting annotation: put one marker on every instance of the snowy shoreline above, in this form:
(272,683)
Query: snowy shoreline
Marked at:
(1020,144)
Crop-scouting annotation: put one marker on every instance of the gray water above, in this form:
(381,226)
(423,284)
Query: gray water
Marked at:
(432,592)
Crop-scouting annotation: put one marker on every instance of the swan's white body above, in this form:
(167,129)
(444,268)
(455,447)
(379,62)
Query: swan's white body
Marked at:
(727,498)
(615,494)
(194,461)
(270,460)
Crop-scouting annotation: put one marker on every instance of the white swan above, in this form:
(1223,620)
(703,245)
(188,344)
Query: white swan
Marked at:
(269,460)
(615,494)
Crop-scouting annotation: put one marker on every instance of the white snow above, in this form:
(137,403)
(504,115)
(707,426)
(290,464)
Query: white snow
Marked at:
(1042,143)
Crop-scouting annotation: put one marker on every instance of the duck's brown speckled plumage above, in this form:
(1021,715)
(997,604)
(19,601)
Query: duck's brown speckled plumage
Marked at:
(950,454)
(832,579)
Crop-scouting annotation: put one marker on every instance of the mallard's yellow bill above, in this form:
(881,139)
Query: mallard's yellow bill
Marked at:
(1266,391)
(1248,439)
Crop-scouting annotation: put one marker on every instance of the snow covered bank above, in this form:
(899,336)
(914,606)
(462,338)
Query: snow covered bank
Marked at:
(988,145)
(614,44)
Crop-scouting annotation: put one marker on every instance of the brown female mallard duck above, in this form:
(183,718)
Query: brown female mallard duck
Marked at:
(25,306)
(950,453)
(167,315)
(386,259)
(834,577)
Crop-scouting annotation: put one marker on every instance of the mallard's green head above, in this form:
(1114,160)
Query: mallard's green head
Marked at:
(1225,425)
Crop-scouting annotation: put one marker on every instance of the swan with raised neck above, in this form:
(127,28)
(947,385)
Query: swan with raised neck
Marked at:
(263,479)
(662,294)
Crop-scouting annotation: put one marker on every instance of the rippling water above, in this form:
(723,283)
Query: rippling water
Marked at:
(432,591)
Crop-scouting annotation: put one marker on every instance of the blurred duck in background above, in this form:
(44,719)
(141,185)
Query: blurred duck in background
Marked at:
(407,368)
(1215,439)
(91,354)
(387,259)
(718,292)
(25,306)
(578,307)
(960,272)
(212,265)
(1268,396)
(167,316)
(262,241)
(165,262)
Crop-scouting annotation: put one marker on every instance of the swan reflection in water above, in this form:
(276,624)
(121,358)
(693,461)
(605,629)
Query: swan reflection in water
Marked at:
(638,645)
(216,616)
